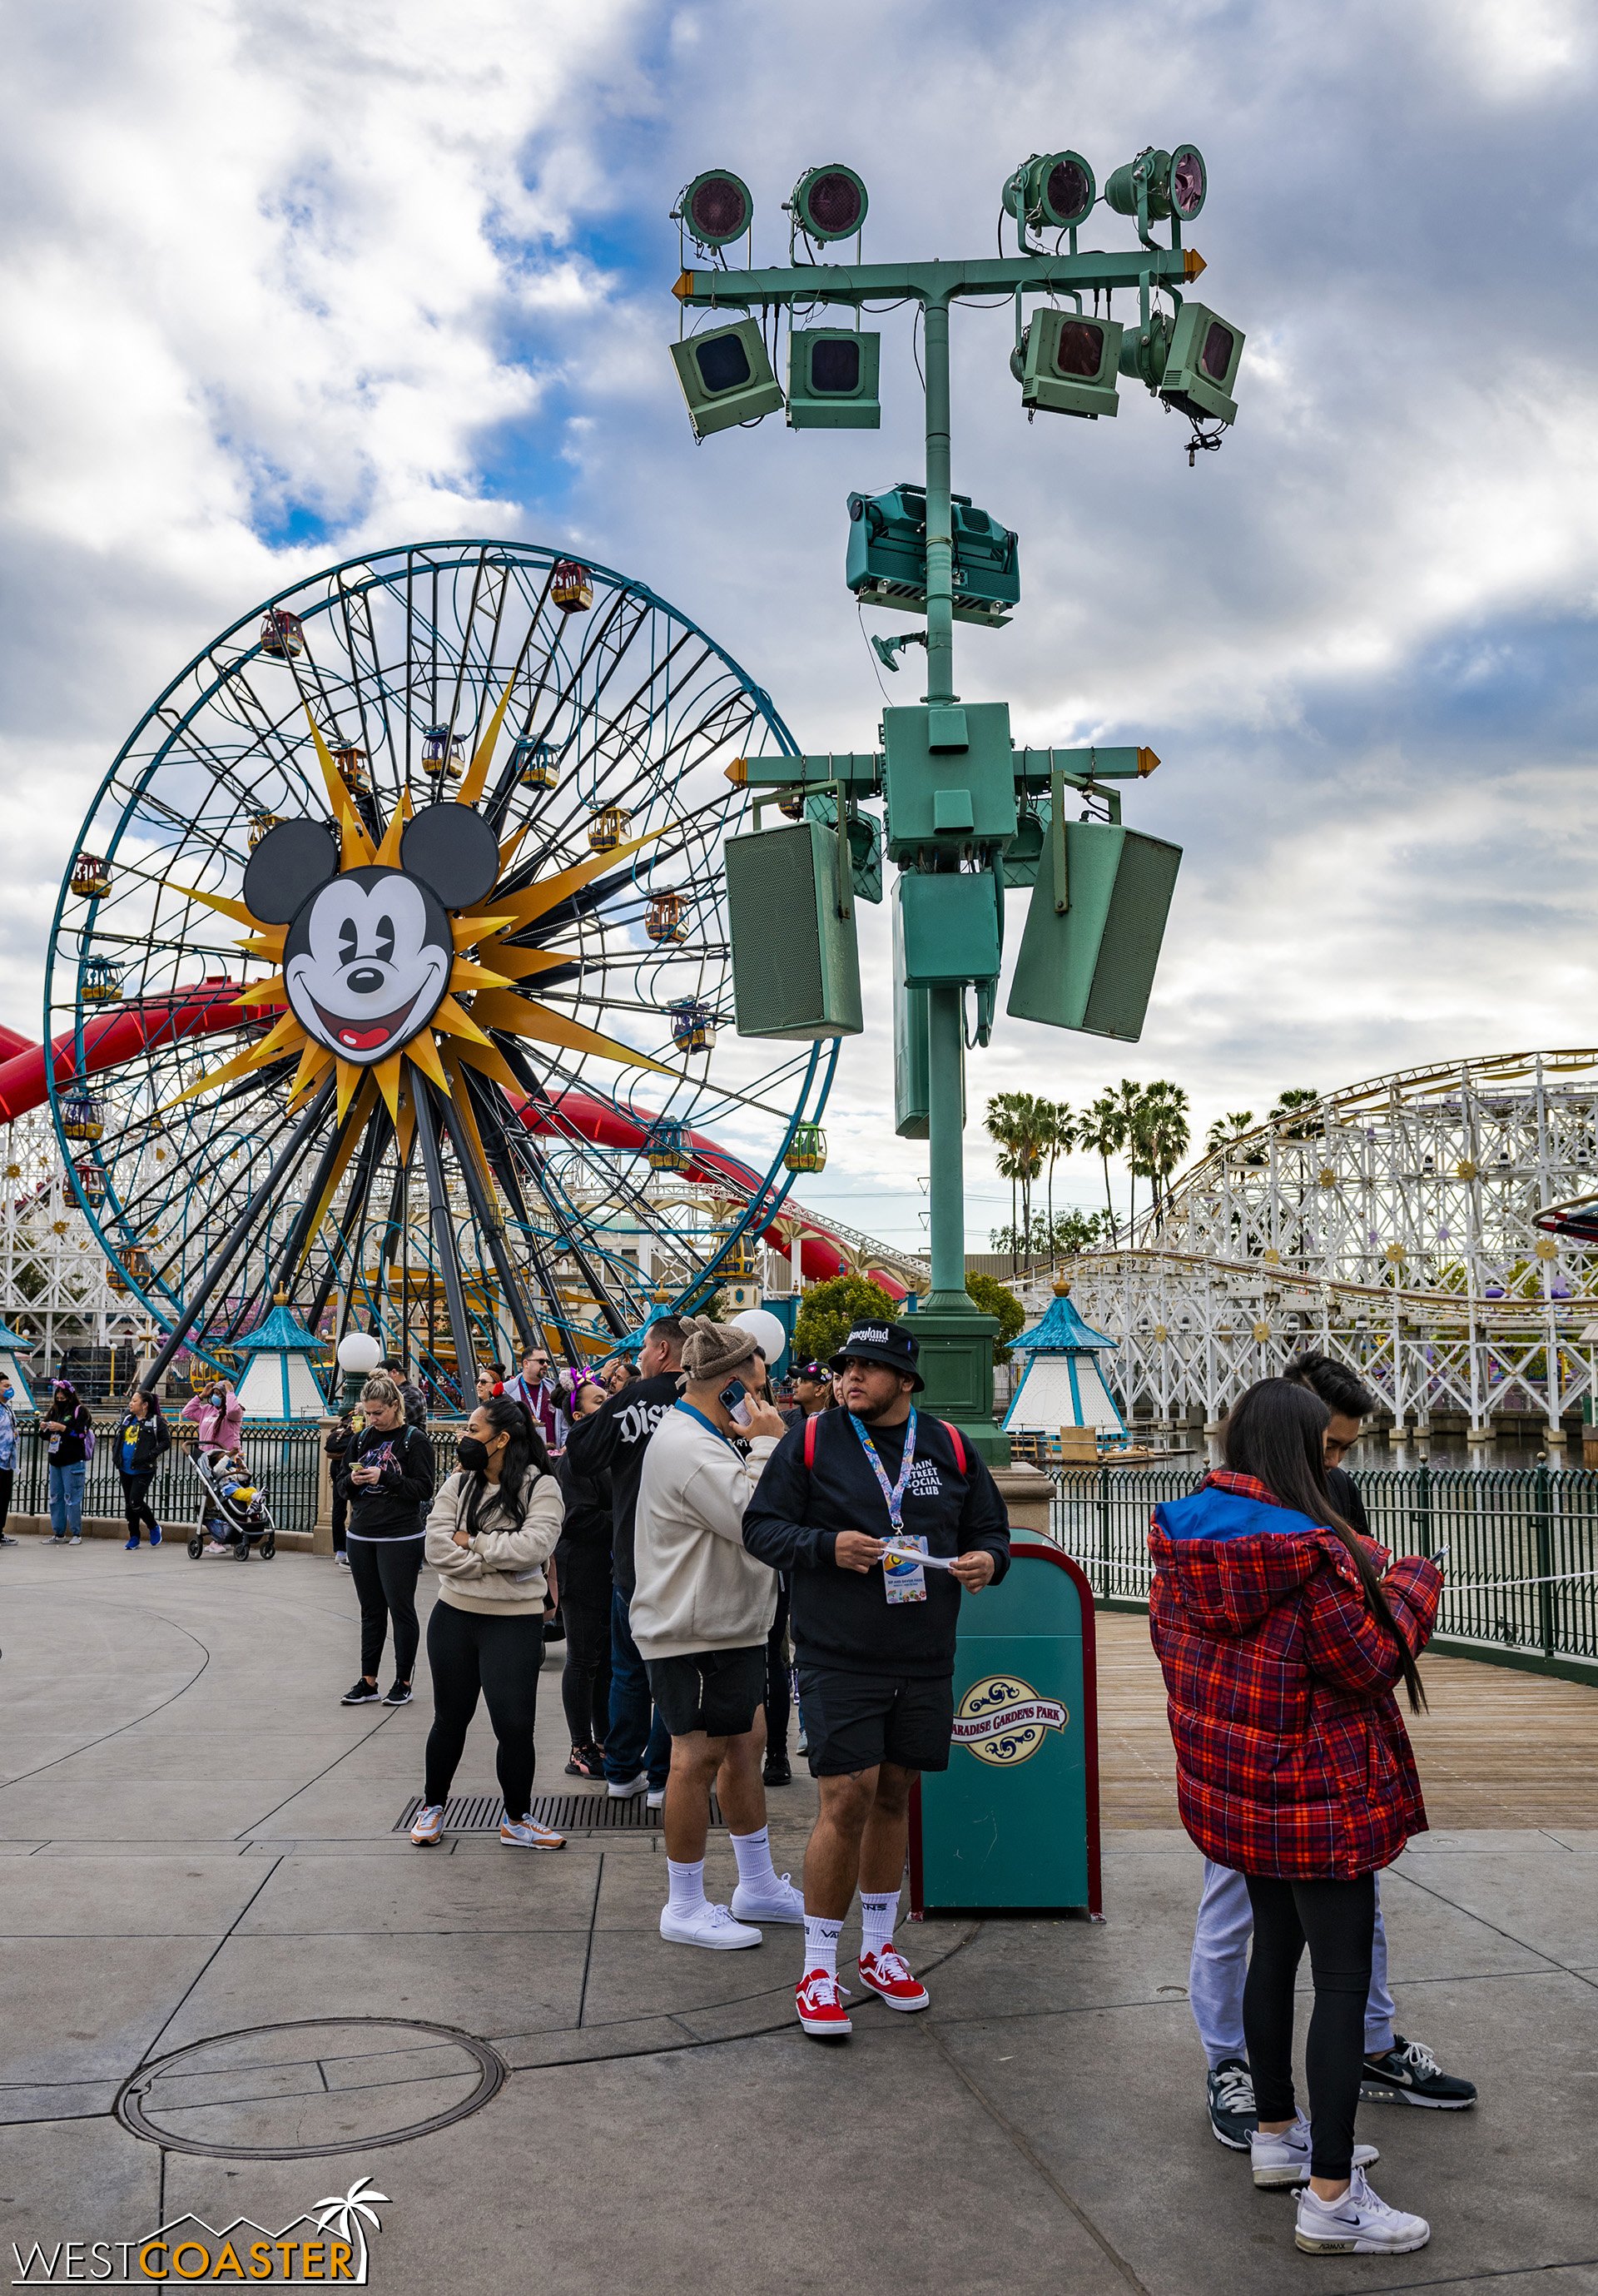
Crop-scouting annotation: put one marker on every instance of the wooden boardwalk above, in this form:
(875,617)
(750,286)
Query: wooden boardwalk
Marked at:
(1498,1749)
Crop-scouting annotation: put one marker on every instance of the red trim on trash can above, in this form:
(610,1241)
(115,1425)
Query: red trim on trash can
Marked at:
(1035,1552)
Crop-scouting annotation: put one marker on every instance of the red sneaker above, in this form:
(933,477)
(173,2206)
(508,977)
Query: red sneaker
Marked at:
(820,2000)
(887,1973)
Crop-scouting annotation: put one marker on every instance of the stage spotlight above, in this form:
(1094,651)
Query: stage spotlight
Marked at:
(829,202)
(1200,364)
(1066,364)
(833,380)
(1051,191)
(1157,184)
(726,377)
(715,208)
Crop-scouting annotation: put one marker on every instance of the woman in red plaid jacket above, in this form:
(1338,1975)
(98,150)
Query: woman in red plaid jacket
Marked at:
(1282,1635)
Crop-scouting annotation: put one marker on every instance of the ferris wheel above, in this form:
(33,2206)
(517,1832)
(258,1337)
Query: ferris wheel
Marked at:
(390,978)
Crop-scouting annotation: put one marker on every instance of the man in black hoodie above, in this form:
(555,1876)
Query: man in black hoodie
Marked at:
(873,1636)
(613,1441)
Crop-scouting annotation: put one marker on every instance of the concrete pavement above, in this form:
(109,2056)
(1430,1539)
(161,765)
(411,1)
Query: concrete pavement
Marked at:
(200,1885)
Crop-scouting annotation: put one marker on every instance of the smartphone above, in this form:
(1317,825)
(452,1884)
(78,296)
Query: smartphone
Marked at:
(733,1400)
(1439,1554)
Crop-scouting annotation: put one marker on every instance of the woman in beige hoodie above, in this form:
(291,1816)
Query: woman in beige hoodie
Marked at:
(493,1527)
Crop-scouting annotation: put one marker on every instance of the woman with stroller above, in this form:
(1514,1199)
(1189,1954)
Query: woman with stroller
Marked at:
(387,1476)
(1282,1634)
(142,1440)
(493,1527)
(217,1414)
(70,1433)
(583,1563)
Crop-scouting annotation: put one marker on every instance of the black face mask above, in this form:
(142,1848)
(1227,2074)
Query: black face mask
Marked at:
(473,1454)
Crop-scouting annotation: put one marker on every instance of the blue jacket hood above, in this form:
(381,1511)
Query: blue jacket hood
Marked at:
(1212,1514)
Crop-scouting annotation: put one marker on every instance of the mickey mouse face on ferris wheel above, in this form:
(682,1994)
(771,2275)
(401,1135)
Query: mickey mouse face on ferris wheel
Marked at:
(369,950)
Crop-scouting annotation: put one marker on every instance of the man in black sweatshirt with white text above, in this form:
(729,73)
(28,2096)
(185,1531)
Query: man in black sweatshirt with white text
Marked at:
(845,1503)
(613,1441)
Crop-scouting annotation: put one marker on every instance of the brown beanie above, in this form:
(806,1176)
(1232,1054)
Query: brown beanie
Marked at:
(712,1350)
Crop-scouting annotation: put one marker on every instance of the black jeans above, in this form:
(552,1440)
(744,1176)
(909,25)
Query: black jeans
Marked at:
(340,1518)
(385,1572)
(779,1681)
(470,1651)
(585,1678)
(1338,1919)
(135,1500)
(7,1476)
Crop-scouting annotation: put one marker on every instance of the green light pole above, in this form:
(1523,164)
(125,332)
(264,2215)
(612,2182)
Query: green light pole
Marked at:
(955,786)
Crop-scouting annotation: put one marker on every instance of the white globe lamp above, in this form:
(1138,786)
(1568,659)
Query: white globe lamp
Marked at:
(766,1330)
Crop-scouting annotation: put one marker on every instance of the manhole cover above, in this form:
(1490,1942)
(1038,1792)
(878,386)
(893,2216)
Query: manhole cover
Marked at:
(567,1813)
(319,2084)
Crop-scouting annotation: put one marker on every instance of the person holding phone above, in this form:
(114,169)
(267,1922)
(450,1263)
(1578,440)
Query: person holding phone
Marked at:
(1396,2069)
(387,1476)
(68,1432)
(142,1440)
(700,1611)
(1282,1634)
(8,1455)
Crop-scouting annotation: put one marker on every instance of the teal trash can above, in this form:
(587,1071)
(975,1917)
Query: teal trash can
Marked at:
(1013,1825)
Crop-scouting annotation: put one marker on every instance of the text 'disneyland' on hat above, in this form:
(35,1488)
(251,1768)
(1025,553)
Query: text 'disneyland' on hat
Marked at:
(892,1344)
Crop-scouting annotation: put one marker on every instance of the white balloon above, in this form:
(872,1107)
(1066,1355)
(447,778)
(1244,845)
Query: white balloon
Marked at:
(359,1351)
(764,1329)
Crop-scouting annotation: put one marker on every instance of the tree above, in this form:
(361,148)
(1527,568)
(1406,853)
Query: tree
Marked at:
(827,1311)
(997,1300)
(1058,1139)
(1102,1131)
(1291,1104)
(1017,1121)
(1128,1098)
(1162,1134)
(1226,1129)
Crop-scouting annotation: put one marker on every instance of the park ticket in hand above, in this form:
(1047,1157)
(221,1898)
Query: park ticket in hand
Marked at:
(908,1551)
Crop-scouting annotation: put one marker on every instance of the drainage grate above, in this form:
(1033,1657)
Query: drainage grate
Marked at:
(566,1813)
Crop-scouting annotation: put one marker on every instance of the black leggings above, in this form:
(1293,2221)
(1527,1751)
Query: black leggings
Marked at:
(779,1680)
(136,1501)
(385,1572)
(585,1680)
(1338,1919)
(468,1653)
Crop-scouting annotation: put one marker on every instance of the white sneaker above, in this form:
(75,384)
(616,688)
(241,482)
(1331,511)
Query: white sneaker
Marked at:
(655,1799)
(76,1540)
(707,1925)
(631,1786)
(1284,2159)
(1359,2225)
(769,1901)
(429,1825)
(342,1561)
(527,1833)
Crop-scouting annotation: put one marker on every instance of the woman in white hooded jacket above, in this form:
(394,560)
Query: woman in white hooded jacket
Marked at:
(492,1530)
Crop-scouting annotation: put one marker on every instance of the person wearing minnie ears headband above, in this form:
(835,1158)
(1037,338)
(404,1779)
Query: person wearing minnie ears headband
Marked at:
(884,1517)
(1282,1636)
(701,1610)
(490,1535)
(1396,2070)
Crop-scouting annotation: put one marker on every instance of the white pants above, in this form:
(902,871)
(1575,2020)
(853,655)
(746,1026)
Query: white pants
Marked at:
(1220,1965)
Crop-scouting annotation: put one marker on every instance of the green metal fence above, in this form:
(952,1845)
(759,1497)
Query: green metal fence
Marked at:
(1519,1547)
(283,1454)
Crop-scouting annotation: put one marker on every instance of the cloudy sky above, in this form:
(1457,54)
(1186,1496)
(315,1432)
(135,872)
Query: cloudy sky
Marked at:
(287,283)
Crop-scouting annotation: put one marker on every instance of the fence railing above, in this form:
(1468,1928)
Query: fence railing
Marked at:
(285,1455)
(1521,1544)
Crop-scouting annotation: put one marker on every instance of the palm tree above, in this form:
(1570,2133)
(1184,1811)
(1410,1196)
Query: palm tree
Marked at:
(1292,1104)
(1226,1129)
(999,1119)
(1163,1135)
(347,2217)
(1017,1121)
(1060,1138)
(1102,1131)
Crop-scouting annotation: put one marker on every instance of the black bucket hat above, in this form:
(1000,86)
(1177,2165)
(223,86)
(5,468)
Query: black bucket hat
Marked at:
(892,1344)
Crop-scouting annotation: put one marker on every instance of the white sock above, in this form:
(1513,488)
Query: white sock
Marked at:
(879,1911)
(821,1944)
(753,1853)
(687,1892)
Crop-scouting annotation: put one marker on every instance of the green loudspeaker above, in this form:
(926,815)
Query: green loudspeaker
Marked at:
(912,1087)
(796,969)
(1091,966)
(726,377)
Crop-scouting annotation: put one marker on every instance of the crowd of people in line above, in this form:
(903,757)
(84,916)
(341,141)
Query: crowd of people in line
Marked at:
(701,1545)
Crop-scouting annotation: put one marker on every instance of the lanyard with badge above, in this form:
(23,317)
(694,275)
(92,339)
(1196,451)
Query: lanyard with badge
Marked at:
(905,1580)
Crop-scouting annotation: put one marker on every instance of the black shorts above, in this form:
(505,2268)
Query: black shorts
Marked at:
(854,1721)
(718,1691)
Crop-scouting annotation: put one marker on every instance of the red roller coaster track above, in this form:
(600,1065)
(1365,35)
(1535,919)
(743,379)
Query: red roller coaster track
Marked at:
(126,1030)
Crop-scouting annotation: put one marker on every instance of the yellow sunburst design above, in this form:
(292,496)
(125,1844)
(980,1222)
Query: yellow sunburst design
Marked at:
(488,985)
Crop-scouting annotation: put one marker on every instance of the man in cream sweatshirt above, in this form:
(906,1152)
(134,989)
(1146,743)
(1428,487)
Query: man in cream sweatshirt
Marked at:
(700,1613)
